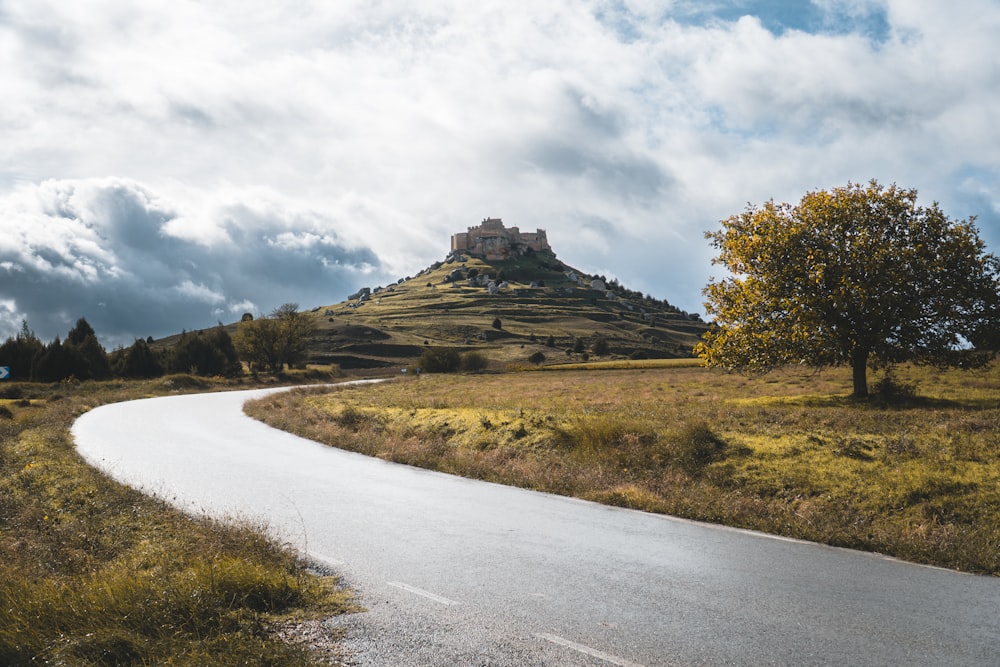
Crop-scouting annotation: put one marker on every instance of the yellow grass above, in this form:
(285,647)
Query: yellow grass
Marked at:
(94,573)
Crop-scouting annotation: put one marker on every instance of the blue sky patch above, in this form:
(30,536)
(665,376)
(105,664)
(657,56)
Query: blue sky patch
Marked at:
(780,16)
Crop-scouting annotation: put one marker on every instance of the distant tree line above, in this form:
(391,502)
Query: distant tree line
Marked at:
(268,343)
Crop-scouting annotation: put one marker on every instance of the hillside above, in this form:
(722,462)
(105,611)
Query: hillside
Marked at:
(535,297)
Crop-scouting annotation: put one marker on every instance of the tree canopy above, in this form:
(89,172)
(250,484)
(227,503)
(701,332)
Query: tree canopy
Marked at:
(278,339)
(859,275)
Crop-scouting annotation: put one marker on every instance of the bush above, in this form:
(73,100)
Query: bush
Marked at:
(696,446)
(330,372)
(537,358)
(472,361)
(440,360)
(185,381)
(5,412)
(12,392)
(601,347)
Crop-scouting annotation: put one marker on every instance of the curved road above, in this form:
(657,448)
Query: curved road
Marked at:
(459,572)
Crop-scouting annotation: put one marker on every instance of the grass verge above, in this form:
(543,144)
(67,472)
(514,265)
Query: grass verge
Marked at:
(913,476)
(95,573)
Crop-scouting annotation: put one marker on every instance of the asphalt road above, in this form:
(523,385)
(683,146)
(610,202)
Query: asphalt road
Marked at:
(459,572)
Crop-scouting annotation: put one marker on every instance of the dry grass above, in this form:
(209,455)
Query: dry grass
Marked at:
(94,573)
(918,477)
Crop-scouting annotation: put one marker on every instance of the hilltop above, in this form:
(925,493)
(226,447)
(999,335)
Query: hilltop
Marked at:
(504,293)
(536,298)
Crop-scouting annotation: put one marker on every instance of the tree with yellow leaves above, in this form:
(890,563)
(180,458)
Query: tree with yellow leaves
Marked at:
(860,275)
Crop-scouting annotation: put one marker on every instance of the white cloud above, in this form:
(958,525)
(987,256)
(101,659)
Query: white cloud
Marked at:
(198,292)
(104,249)
(270,152)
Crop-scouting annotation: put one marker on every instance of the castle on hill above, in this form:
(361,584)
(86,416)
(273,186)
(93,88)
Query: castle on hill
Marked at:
(491,240)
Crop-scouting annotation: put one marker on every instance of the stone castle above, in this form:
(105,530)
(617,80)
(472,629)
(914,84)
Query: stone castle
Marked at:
(491,240)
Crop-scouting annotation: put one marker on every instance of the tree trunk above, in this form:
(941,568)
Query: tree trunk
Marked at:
(859,364)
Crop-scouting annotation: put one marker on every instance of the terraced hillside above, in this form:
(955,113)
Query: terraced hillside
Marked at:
(542,306)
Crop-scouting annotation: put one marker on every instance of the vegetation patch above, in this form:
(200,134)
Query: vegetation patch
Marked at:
(917,477)
(95,573)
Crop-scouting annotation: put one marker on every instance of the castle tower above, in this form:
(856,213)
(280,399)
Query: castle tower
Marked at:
(491,240)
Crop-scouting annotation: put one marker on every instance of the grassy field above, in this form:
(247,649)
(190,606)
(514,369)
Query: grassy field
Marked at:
(95,573)
(917,477)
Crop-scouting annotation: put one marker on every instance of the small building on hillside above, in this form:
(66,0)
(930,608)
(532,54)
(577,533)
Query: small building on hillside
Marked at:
(491,240)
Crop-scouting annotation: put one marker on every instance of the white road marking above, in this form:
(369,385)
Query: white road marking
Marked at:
(586,650)
(422,593)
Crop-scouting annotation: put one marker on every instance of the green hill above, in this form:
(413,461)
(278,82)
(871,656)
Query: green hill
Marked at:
(536,298)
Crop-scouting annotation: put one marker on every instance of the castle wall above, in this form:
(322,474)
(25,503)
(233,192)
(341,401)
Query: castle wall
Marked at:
(491,240)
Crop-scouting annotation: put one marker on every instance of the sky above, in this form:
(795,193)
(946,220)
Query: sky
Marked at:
(170,164)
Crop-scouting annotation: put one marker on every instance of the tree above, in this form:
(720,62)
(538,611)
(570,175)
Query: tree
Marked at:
(212,354)
(58,362)
(80,332)
(860,275)
(601,347)
(138,361)
(278,339)
(95,364)
(19,351)
(294,329)
(87,358)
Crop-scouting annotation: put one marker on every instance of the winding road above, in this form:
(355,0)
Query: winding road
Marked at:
(460,572)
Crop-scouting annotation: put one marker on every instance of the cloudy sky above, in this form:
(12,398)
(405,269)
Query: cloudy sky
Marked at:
(171,163)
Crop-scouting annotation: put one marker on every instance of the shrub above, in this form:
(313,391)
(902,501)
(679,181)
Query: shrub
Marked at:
(536,358)
(695,446)
(12,392)
(601,347)
(185,381)
(5,412)
(473,361)
(440,360)
(330,372)
(497,324)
